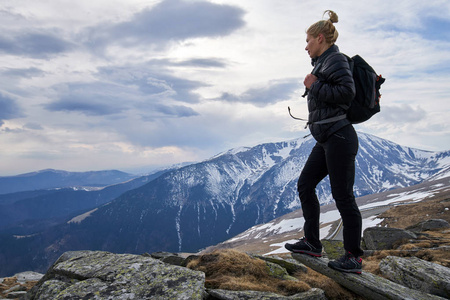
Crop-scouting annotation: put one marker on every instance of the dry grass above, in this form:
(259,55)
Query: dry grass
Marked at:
(403,216)
(427,245)
(233,270)
(438,256)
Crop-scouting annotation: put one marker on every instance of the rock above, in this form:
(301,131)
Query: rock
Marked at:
(417,274)
(429,225)
(169,258)
(28,276)
(312,294)
(15,288)
(290,265)
(333,248)
(277,271)
(16,295)
(382,238)
(366,284)
(162,254)
(104,275)
(174,260)
(17,285)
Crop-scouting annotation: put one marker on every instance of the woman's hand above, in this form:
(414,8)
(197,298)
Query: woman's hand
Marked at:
(309,80)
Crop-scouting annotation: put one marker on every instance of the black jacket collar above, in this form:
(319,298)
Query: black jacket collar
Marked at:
(320,58)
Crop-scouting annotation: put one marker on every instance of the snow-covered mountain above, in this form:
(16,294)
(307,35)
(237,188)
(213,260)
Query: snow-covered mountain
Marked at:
(270,238)
(205,203)
(209,201)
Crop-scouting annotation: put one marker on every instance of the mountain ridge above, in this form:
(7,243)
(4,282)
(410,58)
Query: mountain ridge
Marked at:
(52,179)
(204,203)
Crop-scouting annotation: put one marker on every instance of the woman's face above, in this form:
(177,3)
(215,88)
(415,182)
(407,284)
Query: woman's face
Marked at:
(313,45)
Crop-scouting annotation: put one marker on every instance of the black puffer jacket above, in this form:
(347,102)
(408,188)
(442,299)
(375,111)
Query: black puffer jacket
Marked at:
(334,87)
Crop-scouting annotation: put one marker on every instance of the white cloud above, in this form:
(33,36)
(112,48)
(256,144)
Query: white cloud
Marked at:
(96,84)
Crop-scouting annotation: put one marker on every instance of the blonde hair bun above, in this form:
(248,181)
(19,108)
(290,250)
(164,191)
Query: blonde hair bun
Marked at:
(325,27)
(333,17)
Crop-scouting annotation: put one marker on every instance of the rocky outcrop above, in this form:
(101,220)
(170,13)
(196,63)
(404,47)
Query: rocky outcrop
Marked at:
(406,278)
(18,285)
(432,224)
(161,275)
(103,275)
(377,238)
(417,274)
(366,284)
(164,275)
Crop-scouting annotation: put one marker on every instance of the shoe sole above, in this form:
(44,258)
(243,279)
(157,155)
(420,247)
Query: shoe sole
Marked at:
(305,252)
(355,271)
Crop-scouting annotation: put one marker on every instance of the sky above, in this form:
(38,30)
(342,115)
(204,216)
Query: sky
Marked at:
(140,84)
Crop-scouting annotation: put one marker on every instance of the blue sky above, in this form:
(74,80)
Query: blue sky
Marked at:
(133,85)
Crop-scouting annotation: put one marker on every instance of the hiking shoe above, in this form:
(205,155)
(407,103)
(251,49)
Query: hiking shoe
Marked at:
(304,247)
(347,263)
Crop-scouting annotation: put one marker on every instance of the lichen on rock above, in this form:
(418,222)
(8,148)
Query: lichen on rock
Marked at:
(104,275)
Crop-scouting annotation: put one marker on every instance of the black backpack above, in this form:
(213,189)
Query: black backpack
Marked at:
(367,98)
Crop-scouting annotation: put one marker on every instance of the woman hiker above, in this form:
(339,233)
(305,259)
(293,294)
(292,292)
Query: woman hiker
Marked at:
(329,86)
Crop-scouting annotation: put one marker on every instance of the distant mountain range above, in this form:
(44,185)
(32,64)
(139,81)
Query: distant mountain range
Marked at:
(202,204)
(51,179)
(32,210)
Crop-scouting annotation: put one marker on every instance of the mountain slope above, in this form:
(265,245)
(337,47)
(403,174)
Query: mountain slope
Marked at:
(32,211)
(269,238)
(221,197)
(205,203)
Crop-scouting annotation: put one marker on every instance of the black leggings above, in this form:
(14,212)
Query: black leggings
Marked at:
(336,158)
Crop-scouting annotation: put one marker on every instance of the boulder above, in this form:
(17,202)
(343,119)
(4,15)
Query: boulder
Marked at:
(312,294)
(417,274)
(169,258)
(429,225)
(291,265)
(382,238)
(104,275)
(366,284)
(28,276)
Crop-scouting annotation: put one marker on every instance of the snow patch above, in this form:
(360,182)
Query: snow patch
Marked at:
(80,218)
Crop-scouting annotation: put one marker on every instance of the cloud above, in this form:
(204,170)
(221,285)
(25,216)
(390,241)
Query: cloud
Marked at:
(153,80)
(175,110)
(33,126)
(92,99)
(34,44)
(9,109)
(274,91)
(201,77)
(170,20)
(144,89)
(24,72)
(202,63)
